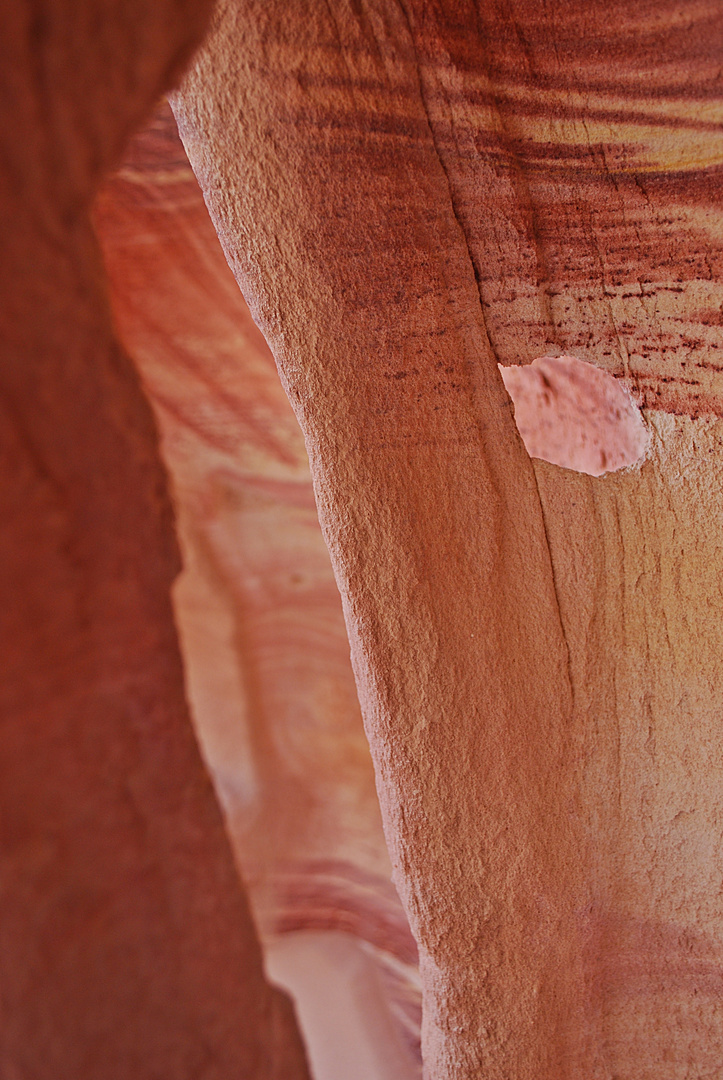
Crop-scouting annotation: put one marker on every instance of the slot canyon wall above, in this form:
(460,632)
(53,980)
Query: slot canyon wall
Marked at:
(127,946)
(409,196)
(262,632)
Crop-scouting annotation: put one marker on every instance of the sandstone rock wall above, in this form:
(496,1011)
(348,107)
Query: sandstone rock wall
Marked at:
(409,194)
(126,943)
(265,650)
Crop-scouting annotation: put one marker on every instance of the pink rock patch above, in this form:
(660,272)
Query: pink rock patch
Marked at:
(571,413)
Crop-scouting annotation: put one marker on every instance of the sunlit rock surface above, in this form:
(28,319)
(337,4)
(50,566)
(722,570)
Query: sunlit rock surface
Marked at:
(410,195)
(263,636)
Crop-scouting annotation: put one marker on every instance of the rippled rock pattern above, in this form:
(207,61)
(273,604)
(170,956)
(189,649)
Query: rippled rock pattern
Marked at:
(409,195)
(259,614)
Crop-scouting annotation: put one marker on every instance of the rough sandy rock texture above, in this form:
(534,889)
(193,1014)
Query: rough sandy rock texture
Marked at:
(126,943)
(265,649)
(408,194)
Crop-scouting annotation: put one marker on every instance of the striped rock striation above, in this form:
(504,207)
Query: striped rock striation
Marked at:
(262,632)
(410,194)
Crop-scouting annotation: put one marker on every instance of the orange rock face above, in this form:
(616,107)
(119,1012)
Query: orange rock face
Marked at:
(126,944)
(458,650)
(409,196)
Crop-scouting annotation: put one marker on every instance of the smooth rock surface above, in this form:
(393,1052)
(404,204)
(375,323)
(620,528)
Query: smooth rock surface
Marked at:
(127,947)
(265,648)
(573,414)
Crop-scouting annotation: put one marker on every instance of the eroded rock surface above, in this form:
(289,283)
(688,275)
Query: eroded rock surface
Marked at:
(342,234)
(408,195)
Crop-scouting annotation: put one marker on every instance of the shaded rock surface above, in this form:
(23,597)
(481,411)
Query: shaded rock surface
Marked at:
(127,947)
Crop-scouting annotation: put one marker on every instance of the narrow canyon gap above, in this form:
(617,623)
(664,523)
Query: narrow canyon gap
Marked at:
(263,639)
(126,944)
(409,194)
